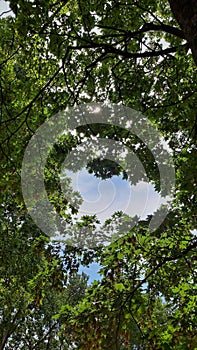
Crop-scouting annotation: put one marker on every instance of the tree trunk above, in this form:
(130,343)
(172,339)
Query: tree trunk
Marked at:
(185,12)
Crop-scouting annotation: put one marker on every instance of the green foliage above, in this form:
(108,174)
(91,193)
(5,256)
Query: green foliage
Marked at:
(34,284)
(56,54)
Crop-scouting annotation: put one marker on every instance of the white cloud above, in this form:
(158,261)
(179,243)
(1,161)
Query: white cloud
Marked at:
(4,7)
(104,197)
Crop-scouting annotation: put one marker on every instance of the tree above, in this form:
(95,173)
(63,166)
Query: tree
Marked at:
(137,55)
(185,13)
(34,285)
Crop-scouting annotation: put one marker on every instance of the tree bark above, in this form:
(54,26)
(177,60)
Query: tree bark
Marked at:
(185,12)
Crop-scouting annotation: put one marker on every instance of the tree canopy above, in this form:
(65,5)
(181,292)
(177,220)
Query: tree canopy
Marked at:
(66,54)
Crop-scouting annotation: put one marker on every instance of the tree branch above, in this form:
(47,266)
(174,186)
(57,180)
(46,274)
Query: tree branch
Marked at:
(147,27)
(164,260)
(111,49)
(164,28)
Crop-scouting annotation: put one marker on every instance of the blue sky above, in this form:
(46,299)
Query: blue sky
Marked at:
(104,197)
(91,271)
